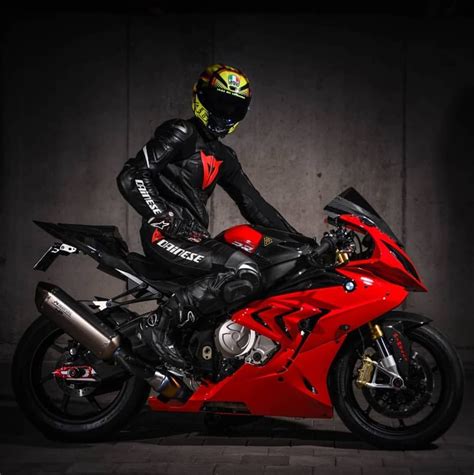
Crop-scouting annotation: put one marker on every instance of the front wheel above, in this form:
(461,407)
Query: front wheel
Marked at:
(406,418)
(68,393)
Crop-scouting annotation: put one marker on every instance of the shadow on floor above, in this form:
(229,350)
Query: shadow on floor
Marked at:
(190,429)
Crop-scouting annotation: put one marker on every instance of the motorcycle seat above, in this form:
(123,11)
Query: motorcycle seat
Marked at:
(156,274)
(147,268)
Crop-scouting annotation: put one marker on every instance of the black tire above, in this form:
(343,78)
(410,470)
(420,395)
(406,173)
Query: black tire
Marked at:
(130,398)
(436,423)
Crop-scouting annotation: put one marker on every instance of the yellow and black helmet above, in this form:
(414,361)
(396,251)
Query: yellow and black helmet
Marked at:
(221,98)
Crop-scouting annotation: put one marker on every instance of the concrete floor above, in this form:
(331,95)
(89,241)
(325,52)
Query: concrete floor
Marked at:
(178,444)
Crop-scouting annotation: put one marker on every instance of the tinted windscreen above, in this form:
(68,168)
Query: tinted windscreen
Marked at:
(351,202)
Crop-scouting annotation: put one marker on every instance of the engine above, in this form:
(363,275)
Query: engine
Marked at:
(236,341)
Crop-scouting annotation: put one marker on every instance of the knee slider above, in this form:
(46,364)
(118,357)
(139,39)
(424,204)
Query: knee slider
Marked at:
(247,282)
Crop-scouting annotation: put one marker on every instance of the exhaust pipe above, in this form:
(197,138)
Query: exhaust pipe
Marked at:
(85,327)
(76,320)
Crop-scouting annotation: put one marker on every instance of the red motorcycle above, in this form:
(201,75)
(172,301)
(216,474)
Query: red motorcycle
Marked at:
(322,334)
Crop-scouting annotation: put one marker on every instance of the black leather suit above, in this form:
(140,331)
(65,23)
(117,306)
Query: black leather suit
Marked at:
(175,173)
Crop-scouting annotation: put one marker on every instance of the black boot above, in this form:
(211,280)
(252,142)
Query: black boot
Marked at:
(202,297)
(164,334)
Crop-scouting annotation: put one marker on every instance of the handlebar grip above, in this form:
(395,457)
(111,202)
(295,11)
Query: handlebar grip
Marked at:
(325,246)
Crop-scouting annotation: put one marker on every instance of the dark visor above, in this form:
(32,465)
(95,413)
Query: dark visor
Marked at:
(223,105)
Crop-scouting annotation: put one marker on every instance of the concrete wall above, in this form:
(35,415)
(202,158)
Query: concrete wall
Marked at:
(337,103)
(440,176)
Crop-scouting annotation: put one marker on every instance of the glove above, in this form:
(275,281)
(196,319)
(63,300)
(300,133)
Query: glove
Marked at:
(170,225)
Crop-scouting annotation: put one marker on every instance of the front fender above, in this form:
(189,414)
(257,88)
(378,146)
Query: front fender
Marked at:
(395,326)
(404,320)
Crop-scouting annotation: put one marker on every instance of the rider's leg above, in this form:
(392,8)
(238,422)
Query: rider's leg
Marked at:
(220,272)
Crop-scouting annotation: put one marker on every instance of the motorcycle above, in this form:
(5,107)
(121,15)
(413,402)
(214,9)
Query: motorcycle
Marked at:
(322,334)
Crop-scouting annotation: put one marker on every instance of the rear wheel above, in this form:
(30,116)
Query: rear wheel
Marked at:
(404,418)
(66,391)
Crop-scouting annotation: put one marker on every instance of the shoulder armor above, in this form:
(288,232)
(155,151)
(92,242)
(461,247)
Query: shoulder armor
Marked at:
(179,128)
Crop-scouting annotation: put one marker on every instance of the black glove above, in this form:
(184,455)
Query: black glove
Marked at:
(170,225)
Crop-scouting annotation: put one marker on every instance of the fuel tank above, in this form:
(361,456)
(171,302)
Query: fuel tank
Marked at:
(267,246)
(281,259)
(277,253)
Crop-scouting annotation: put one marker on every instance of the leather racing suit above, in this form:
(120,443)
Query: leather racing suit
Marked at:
(169,183)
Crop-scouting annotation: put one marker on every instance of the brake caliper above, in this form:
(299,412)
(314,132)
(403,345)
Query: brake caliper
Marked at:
(365,372)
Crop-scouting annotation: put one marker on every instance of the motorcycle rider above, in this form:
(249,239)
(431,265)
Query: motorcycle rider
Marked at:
(169,183)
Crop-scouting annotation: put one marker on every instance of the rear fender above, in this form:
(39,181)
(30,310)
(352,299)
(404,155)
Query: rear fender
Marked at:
(57,249)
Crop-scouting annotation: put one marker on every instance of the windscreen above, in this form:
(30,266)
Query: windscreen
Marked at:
(352,202)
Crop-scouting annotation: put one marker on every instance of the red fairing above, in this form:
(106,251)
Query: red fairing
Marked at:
(294,382)
(384,262)
(243,237)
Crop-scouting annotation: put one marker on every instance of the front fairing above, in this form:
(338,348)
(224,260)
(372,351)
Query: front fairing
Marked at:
(386,257)
(388,260)
(353,203)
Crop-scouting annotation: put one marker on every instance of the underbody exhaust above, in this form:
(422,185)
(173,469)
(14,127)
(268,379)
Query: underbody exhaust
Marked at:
(84,326)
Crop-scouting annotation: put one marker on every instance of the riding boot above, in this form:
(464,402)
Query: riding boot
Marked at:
(164,333)
(203,297)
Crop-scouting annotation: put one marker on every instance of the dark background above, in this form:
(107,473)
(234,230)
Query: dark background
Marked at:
(379,99)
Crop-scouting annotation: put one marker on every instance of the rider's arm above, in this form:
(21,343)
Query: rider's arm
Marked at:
(251,204)
(135,181)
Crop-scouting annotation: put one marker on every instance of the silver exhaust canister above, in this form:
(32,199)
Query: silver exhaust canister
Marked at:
(76,320)
(85,327)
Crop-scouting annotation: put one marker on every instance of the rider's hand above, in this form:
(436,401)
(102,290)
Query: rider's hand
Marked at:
(171,225)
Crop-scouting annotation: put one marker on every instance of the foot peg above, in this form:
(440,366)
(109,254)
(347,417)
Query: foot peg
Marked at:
(237,290)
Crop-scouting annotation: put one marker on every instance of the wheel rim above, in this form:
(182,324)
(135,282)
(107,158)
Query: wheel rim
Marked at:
(421,401)
(53,396)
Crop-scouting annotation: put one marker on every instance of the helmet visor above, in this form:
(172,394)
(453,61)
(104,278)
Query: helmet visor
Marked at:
(224,105)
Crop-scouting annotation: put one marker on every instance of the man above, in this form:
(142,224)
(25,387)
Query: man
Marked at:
(169,183)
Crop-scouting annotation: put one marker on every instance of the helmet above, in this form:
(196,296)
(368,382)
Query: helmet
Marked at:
(221,98)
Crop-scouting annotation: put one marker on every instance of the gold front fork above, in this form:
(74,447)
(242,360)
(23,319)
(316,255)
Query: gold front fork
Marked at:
(375,331)
(387,361)
(366,371)
(342,257)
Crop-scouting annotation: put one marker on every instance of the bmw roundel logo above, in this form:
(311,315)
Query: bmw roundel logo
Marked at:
(349,286)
